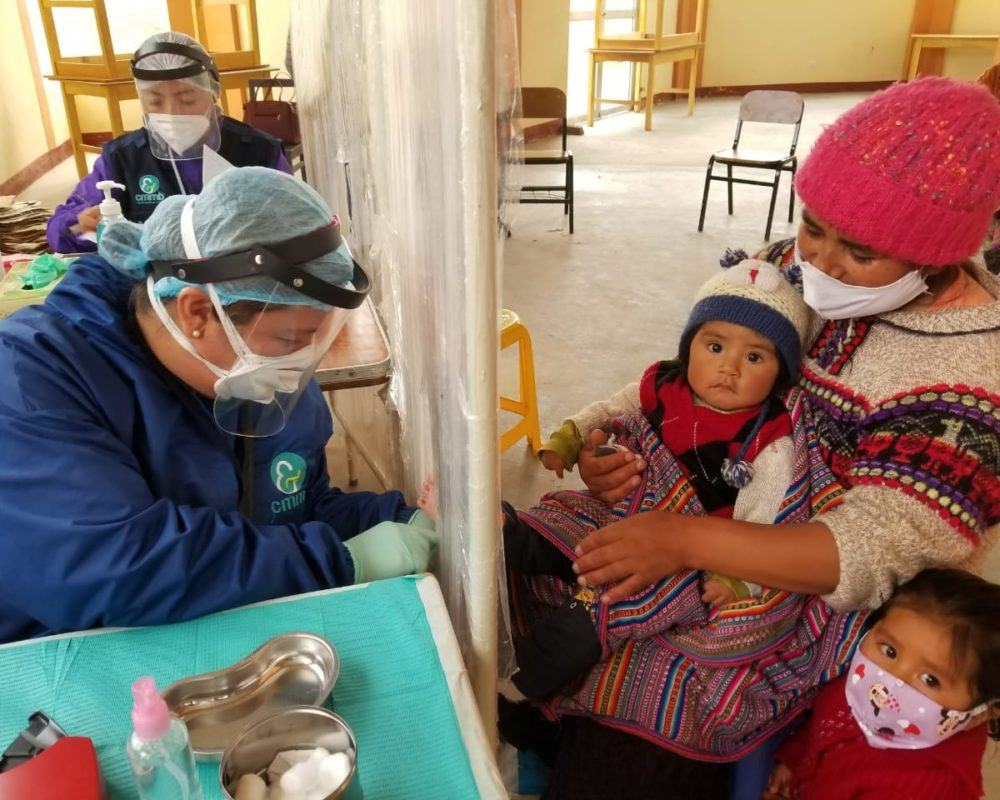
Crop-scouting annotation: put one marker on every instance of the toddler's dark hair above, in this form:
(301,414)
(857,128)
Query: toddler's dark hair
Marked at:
(972,606)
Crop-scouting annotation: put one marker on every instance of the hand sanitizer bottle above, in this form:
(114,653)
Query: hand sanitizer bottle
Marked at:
(111,209)
(159,750)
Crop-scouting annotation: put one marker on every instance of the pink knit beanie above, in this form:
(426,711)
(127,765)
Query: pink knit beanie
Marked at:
(912,172)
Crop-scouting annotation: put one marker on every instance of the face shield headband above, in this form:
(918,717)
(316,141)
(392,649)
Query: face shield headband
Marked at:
(255,395)
(281,261)
(202,62)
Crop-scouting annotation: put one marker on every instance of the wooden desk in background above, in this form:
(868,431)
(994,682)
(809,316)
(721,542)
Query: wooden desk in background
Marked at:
(928,41)
(359,356)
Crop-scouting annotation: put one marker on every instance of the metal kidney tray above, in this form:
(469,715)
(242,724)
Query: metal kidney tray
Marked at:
(294,669)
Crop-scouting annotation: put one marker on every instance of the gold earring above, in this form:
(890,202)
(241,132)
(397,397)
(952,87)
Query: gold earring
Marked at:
(196,334)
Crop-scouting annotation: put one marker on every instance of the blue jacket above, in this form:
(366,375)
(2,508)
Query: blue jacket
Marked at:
(119,493)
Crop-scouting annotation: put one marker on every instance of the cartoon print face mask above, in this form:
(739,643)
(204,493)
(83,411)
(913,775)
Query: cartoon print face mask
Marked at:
(892,714)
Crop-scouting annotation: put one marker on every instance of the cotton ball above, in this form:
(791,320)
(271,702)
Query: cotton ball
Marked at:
(333,771)
(283,762)
(318,754)
(299,779)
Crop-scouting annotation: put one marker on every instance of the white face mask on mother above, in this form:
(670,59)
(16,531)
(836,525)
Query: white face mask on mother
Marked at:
(834,299)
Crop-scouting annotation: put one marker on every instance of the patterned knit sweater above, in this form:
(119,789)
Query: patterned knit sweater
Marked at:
(907,410)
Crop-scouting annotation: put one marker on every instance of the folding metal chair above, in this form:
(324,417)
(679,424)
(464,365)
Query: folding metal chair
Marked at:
(548,103)
(759,106)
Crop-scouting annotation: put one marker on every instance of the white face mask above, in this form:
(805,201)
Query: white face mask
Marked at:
(180,131)
(251,377)
(833,299)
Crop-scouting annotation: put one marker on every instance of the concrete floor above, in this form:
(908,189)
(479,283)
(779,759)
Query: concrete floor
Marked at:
(604,303)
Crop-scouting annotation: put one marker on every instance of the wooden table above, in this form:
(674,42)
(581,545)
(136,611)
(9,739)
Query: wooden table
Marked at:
(652,58)
(945,41)
(359,356)
(118,90)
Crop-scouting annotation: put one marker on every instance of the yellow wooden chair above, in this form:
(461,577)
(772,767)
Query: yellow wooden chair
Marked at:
(513,331)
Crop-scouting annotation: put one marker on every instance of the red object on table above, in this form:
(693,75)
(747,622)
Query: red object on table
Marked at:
(11,259)
(67,769)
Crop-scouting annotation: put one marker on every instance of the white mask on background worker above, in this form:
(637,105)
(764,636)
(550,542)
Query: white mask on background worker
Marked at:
(178,86)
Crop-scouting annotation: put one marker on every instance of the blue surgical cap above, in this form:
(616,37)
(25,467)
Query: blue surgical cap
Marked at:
(167,61)
(239,208)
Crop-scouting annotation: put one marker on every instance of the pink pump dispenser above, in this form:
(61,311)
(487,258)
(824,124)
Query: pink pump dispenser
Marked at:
(150,716)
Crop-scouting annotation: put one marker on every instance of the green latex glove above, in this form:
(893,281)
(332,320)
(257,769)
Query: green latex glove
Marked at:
(391,549)
(42,271)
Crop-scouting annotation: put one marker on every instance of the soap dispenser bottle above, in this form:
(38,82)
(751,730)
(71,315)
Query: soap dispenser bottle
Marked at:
(111,209)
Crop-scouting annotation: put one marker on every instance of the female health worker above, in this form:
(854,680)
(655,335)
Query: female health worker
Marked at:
(178,87)
(163,437)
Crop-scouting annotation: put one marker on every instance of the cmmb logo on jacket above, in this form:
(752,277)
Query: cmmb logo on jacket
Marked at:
(149,190)
(288,474)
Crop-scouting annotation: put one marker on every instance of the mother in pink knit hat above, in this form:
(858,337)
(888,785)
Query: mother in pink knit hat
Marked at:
(902,371)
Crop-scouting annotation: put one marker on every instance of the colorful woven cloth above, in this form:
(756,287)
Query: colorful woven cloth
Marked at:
(707,684)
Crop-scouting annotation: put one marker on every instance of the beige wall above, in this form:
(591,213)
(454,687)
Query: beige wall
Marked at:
(53,95)
(822,42)
(544,42)
(22,137)
(844,41)
(972,16)
(848,41)
(272,27)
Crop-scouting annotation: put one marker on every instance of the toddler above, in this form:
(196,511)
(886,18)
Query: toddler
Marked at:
(907,719)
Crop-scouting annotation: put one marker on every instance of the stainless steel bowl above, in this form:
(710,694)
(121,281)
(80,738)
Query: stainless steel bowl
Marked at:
(305,727)
(295,669)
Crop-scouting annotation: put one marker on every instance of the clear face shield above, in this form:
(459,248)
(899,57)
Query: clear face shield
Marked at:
(177,87)
(278,343)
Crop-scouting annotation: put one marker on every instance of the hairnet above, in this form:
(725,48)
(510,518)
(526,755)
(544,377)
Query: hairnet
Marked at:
(166,61)
(240,207)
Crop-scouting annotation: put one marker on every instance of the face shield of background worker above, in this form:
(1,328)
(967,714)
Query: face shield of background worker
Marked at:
(163,158)
(125,497)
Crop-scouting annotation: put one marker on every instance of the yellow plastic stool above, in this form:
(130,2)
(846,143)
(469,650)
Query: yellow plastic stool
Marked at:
(512,331)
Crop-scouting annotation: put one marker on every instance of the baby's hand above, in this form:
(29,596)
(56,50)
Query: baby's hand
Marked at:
(716,593)
(552,461)
(781,785)
(428,500)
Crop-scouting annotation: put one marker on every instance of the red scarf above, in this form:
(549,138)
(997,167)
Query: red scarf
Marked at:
(701,437)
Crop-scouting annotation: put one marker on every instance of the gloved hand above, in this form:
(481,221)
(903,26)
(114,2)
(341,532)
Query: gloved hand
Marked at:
(391,549)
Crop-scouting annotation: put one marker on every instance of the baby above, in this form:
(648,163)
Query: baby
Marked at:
(717,409)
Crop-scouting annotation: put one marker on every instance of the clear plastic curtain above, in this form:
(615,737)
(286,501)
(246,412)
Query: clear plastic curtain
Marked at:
(406,112)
